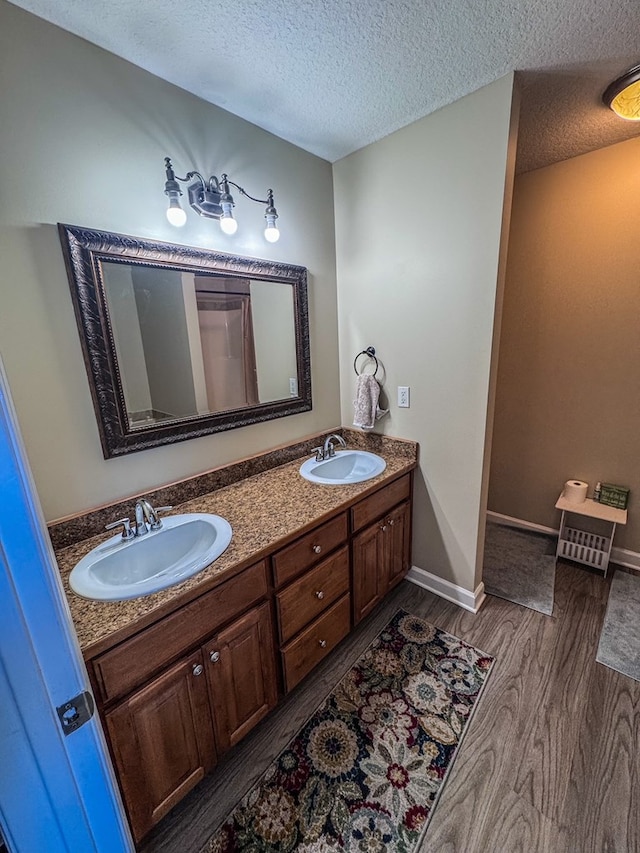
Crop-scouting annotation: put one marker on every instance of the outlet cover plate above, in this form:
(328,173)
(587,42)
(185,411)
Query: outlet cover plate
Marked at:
(403,397)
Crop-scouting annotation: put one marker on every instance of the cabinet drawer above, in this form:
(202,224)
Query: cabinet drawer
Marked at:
(315,642)
(132,662)
(307,597)
(373,507)
(307,550)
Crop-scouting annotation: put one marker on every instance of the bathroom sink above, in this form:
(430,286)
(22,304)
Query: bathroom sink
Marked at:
(347,466)
(183,546)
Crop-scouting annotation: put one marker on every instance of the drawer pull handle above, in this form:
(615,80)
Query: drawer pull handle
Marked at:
(320,594)
(214,657)
(322,643)
(198,669)
(317,549)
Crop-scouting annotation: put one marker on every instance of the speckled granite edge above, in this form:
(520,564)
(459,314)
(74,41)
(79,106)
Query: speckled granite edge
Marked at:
(377,443)
(70,531)
(265,511)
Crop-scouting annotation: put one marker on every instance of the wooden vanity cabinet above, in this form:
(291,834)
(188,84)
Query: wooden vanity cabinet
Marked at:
(381,552)
(162,742)
(241,676)
(316,641)
(314,609)
(182,691)
(309,549)
(304,600)
(399,542)
(169,732)
(127,665)
(321,600)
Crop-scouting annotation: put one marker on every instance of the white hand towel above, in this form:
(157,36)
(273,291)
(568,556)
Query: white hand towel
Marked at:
(366,406)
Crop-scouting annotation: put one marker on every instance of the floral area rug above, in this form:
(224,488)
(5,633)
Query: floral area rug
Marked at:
(365,772)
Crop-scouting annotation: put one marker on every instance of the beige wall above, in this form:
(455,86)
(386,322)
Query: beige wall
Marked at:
(568,394)
(125,326)
(418,227)
(274,338)
(83,135)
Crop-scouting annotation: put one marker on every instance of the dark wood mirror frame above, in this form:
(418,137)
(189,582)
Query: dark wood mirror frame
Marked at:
(84,249)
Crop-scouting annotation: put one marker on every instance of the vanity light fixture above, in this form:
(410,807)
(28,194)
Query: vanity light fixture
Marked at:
(623,95)
(212,199)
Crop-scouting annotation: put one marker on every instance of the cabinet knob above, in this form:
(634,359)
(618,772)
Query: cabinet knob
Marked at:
(214,657)
(317,549)
(198,669)
(390,522)
(322,643)
(320,594)
(383,527)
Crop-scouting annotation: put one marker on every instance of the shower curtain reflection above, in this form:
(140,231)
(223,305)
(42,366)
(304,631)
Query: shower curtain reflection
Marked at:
(228,350)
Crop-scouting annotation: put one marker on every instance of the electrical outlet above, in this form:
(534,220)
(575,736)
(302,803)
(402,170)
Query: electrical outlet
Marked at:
(293,386)
(403,396)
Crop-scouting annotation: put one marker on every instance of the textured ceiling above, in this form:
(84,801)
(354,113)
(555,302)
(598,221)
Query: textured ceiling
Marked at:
(334,75)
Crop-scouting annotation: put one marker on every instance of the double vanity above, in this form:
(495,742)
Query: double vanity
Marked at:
(182,674)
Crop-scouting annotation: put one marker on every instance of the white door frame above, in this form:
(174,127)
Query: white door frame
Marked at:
(57,792)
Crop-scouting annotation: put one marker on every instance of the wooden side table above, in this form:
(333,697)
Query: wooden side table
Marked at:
(584,546)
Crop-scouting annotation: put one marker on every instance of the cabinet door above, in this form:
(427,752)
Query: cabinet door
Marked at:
(369,570)
(162,742)
(241,675)
(398,541)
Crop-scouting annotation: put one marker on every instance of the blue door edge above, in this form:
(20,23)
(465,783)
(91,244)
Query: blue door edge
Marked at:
(60,793)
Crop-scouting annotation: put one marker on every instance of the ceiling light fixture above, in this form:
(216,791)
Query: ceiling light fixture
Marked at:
(623,95)
(212,199)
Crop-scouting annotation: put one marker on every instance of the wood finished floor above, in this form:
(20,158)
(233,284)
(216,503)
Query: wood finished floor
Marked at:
(550,763)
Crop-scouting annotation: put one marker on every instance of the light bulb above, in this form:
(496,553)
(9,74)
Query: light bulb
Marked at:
(175,214)
(626,104)
(623,95)
(271,233)
(228,224)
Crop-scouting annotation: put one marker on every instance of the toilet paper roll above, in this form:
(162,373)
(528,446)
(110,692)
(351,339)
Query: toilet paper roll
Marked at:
(575,491)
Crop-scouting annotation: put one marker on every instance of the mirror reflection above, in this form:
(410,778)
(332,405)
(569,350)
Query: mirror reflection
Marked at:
(191,343)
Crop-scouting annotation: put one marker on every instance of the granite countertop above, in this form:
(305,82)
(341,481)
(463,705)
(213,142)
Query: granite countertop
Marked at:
(264,510)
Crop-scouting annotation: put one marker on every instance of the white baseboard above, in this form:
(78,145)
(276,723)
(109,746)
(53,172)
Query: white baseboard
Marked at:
(519,522)
(619,556)
(628,559)
(471,601)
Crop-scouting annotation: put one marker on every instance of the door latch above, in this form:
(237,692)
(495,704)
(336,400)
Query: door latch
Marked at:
(76,712)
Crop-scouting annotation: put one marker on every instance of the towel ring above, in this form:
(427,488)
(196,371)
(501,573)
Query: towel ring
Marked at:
(369,351)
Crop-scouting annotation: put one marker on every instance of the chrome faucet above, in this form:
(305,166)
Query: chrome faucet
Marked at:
(328,450)
(145,516)
(147,519)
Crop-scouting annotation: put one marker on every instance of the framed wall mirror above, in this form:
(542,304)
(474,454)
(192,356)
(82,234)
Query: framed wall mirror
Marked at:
(180,342)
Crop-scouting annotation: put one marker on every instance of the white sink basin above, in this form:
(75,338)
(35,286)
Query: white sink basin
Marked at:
(347,466)
(184,545)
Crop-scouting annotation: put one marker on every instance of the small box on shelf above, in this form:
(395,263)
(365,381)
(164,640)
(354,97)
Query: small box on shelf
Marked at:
(616,496)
